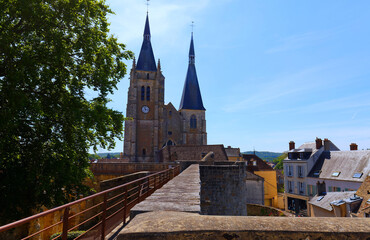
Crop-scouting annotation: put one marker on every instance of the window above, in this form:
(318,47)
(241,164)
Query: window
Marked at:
(170,113)
(144,151)
(170,133)
(300,171)
(254,163)
(193,121)
(147,76)
(148,93)
(290,171)
(335,174)
(290,186)
(301,188)
(357,175)
(330,189)
(316,173)
(142,93)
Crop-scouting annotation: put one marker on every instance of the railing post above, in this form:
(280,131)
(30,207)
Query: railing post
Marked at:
(125,206)
(104,216)
(155,182)
(65,223)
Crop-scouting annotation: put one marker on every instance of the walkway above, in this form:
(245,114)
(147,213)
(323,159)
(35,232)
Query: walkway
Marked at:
(180,194)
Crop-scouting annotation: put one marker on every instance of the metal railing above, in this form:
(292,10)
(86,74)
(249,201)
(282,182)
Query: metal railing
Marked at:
(104,211)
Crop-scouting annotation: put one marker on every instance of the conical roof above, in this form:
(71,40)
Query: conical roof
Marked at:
(146,61)
(191,97)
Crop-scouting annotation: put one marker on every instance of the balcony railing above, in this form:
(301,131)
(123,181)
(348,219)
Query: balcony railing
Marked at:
(104,211)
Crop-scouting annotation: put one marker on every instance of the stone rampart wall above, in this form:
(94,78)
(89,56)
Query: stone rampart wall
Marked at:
(222,190)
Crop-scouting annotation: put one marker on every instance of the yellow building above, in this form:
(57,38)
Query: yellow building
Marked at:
(259,167)
(270,187)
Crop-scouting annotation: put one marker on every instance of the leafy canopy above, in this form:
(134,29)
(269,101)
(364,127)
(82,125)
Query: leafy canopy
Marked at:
(51,51)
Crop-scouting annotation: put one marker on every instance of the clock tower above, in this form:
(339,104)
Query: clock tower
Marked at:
(144,105)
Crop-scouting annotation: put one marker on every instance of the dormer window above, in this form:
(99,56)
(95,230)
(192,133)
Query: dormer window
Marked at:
(335,174)
(357,175)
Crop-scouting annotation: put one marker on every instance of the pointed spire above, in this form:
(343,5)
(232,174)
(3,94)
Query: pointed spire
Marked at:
(146,60)
(159,65)
(191,51)
(191,97)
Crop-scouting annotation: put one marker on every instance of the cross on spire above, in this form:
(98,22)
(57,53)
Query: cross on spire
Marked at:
(192,26)
(147,6)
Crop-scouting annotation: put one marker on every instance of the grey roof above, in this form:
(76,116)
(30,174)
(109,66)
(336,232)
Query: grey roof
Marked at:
(191,97)
(146,60)
(331,197)
(232,152)
(346,162)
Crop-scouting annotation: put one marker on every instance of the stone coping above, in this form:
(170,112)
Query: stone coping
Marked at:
(181,225)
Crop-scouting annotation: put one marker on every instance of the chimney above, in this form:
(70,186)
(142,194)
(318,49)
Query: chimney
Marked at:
(353,147)
(318,143)
(326,144)
(291,145)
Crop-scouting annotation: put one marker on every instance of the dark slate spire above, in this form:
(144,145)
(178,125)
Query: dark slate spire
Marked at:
(191,97)
(146,60)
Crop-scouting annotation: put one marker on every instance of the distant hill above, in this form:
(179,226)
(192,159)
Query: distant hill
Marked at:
(268,156)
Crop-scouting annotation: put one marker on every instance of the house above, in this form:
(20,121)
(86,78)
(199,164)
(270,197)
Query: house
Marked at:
(339,171)
(297,165)
(233,154)
(364,192)
(259,167)
(334,204)
(255,188)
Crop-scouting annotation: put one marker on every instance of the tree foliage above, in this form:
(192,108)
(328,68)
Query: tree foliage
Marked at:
(279,160)
(51,52)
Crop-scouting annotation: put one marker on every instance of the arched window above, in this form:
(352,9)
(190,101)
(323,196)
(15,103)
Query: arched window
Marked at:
(148,93)
(169,143)
(142,93)
(144,151)
(193,121)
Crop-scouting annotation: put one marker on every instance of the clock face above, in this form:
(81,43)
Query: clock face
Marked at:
(145,109)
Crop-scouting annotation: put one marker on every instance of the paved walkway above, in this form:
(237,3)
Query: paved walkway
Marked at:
(180,194)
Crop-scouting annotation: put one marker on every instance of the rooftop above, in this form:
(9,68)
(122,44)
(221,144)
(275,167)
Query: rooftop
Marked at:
(331,198)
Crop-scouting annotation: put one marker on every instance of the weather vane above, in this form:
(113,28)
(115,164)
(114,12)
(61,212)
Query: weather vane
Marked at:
(192,26)
(147,6)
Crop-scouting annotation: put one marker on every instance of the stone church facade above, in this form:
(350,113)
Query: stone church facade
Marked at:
(154,124)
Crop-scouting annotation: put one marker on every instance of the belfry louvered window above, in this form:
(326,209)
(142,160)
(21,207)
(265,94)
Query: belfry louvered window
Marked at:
(148,93)
(142,93)
(193,121)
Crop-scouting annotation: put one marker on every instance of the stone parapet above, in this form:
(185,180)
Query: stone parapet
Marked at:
(178,225)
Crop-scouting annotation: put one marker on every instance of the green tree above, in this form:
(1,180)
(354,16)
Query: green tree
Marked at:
(51,52)
(279,160)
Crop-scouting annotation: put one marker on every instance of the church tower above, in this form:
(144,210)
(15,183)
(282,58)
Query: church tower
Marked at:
(144,105)
(191,106)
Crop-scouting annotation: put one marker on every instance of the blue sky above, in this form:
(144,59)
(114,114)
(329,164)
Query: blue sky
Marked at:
(269,71)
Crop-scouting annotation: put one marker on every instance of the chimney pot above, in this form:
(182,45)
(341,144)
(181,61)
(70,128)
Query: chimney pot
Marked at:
(353,147)
(326,144)
(318,143)
(291,145)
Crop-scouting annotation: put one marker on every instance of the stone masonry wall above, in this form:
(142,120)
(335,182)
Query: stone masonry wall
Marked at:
(223,190)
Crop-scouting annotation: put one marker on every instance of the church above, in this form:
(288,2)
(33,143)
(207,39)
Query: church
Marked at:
(152,124)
